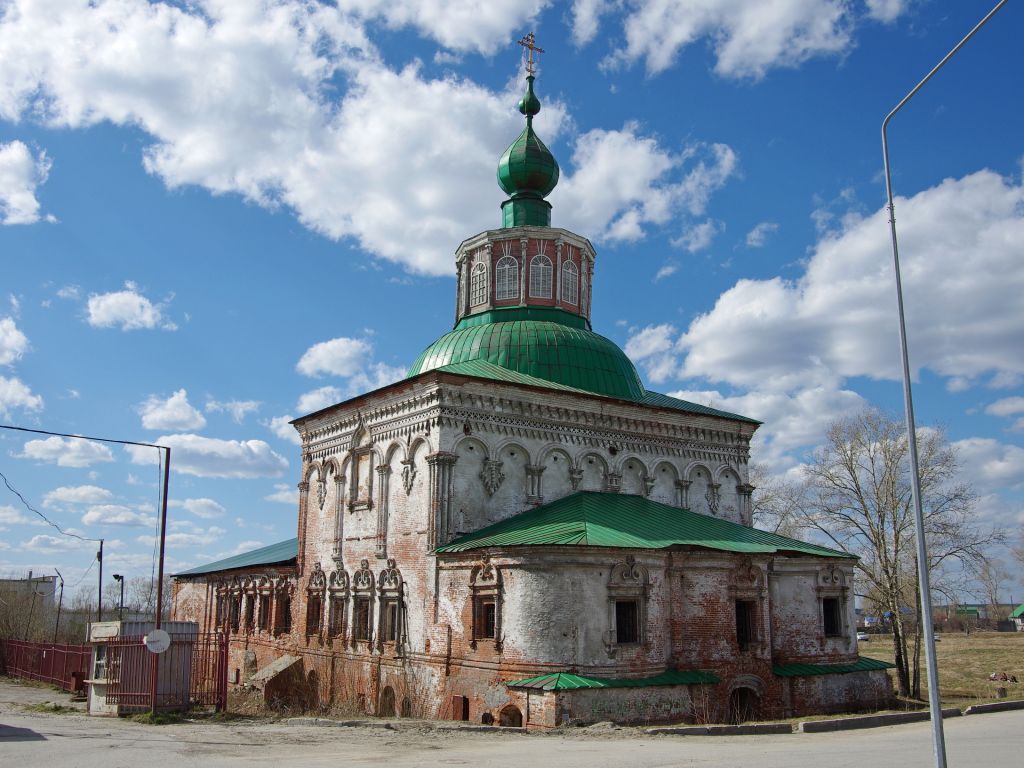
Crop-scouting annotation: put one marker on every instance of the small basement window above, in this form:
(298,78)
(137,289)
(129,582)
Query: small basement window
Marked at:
(832,616)
(744,624)
(627,622)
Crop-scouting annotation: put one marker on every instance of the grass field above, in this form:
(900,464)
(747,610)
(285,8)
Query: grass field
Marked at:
(965,662)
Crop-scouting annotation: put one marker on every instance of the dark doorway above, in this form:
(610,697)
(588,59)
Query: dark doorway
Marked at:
(387,702)
(744,705)
(511,717)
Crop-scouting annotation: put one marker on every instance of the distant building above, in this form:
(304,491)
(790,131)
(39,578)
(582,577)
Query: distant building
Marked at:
(521,533)
(27,605)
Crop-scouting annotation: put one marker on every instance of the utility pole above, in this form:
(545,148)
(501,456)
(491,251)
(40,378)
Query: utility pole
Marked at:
(99,589)
(119,578)
(60,602)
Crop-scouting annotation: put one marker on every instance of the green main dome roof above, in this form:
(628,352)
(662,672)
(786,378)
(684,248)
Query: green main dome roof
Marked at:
(547,344)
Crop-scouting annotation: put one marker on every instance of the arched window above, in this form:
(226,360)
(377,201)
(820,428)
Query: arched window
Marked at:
(570,283)
(506,278)
(540,277)
(478,285)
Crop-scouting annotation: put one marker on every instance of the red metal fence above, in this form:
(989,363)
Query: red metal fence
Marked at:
(193,671)
(65,666)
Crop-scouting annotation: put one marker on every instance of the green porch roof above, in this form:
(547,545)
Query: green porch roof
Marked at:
(566,681)
(274,554)
(592,519)
(1018,612)
(862,664)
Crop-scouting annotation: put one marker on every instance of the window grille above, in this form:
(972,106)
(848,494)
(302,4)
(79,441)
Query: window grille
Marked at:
(540,277)
(478,285)
(506,278)
(570,283)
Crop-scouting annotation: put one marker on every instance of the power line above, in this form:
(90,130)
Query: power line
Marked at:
(48,521)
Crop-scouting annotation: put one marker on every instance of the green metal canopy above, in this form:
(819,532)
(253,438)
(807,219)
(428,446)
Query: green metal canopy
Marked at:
(282,553)
(862,664)
(591,519)
(1018,612)
(566,681)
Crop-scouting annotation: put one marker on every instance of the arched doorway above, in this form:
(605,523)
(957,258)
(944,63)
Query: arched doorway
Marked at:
(386,707)
(406,707)
(744,705)
(511,717)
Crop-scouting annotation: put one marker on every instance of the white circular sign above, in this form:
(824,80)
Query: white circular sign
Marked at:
(157,641)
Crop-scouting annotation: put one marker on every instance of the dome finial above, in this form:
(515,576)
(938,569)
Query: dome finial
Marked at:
(527,171)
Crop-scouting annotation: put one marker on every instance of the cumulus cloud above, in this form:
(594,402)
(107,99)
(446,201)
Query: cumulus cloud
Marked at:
(207,509)
(67,452)
(197,538)
(20,175)
(117,514)
(624,182)
(211,457)
(318,398)
(757,237)
(991,465)
(13,342)
(666,271)
(77,494)
(128,310)
(16,394)
(174,412)
(281,426)
(237,409)
(11,516)
(52,545)
(1009,406)
(654,348)
(284,494)
(749,38)
(699,236)
(339,357)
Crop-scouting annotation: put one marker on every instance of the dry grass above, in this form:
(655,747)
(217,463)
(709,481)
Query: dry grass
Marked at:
(965,662)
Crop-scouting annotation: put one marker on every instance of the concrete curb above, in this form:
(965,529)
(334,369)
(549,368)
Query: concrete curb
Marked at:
(871,721)
(996,706)
(325,723)
(720,730)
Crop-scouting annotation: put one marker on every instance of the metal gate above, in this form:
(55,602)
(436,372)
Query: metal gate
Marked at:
(193,671)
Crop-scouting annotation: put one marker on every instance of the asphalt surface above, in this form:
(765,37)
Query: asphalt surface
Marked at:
(32,739)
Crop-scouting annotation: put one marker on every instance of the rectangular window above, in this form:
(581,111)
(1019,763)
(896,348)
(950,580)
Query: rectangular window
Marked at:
(284,615)
(389,626)
(314,609)
(264,613)
(832,615)
(484,618)
(337,617)
(236,611)
(744,624)
(250,611)
(361,619)
(627,622)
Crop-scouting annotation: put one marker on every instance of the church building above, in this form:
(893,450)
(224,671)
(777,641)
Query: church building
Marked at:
(521,533)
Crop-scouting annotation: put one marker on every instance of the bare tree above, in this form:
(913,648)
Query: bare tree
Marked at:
(779,503)
(991,578)
(859,497)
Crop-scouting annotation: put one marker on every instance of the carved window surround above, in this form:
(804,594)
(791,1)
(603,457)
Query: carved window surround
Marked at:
(338,598)
(747,583)
(628,580)
(485,585)
(833,583)
(361,489)
(391,596)
(363,588)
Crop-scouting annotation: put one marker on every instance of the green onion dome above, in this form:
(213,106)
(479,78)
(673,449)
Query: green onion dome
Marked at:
(547,344)
(527,171)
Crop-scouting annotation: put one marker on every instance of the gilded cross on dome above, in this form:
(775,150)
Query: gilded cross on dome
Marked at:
(530,43)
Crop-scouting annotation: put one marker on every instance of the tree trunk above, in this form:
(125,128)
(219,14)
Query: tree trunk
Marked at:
(916,687)
(899,644)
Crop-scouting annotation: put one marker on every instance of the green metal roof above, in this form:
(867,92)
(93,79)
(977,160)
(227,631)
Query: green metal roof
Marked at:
(1018,612)
(551,351)
(591,519)
(674,403)
(863,664)
(566,681)
(274,554)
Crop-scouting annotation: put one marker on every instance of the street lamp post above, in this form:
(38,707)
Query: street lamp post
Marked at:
(935,702)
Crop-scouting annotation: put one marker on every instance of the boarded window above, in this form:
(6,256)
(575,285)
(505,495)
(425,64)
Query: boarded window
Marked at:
(831,610)
(361,619)
(314,610)
(389,621)
(283,624)
(484,620)
(236,611)
(264,612)
(627,621)
(250,612)
(337,617)
(744,624)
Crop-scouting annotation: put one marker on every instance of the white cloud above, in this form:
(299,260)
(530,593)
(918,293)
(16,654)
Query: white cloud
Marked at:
(13,342)
(654,347)
(699,236)
(46,544)
(317,399)
(375,376)
(990,465)
(748,38)
(14,393)
(757,237)
(210,457)
(666,271)
(339,357)
(281,426)
(67,452)
(238,409)
(128,310)
(11,516)
(77,494)
(586,19)
(173,413)
(886,10)
(207,509)
(116,514)
(199,538)
(284,493)
(20,175)
(1009,406)
(625,182)
(70,292)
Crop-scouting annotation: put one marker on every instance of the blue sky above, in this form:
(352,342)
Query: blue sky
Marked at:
(217,216)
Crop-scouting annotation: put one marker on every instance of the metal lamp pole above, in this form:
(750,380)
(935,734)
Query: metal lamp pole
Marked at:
(939,743)
(119,578)
(60,603)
